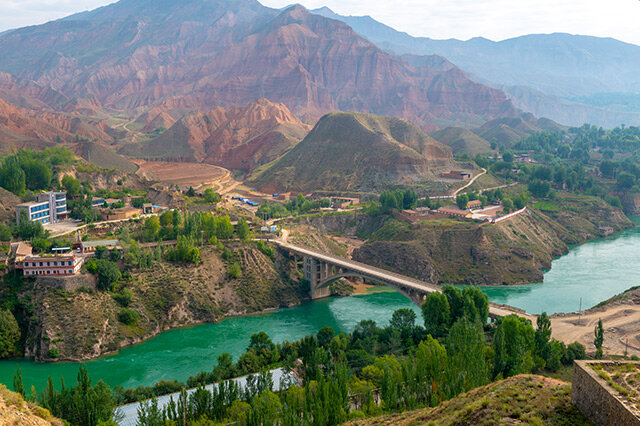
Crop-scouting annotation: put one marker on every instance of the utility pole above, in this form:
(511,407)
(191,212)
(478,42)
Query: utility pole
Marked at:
(580,312)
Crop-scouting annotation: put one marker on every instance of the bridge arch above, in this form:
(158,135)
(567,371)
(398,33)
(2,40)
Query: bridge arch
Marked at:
(413,295)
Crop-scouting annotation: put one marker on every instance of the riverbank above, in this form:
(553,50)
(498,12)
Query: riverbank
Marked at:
(179,353)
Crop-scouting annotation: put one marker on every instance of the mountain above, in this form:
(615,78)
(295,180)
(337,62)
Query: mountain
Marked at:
(562,66)
(104,157)
(507,131)
(237,138)
(25,127)
(352,151)
(206,53)
(462,141)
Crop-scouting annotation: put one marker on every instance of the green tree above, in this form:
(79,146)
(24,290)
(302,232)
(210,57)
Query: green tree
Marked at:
(513,346)
(12,177)
(71,185)
(128,316)
(543,337)
(9,335)
(462,200)
(436,314)
(107,272)
(626,180)
(403,319)
(211,196)
(18,386)
(599,339)
(244,232)
(465,345)
(151,228)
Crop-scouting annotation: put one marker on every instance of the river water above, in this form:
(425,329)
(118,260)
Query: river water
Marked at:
(594,271)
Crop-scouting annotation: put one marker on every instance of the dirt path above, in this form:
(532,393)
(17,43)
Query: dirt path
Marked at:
(621,323)
(457,191)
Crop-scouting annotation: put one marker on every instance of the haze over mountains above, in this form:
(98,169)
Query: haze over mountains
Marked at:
(541,73)
(238,84)
(211,53)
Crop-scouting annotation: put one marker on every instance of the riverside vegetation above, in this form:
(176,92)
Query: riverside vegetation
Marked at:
(373,370)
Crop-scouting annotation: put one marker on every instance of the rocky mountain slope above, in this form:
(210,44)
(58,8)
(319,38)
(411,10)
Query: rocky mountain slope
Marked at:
(550,75)
(350,151)
(208,53)
(14,410)
(84,324)
(25,127)
(447,251)
(237,138)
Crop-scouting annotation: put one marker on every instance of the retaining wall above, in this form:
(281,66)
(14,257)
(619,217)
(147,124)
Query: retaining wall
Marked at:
(68,283)
(597,400)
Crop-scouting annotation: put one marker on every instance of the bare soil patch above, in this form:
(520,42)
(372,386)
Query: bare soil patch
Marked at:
(182,174)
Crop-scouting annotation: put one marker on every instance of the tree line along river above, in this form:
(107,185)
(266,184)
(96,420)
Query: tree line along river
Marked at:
(594,271)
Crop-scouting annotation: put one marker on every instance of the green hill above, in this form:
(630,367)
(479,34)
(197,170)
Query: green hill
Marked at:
(104,157)
(524,399)
(462,141)
(507,131)
(355,151)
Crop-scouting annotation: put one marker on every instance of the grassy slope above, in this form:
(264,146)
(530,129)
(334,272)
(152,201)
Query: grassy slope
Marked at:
(462,141)
(14,410)
(103,157)
(353,150)
(524,399)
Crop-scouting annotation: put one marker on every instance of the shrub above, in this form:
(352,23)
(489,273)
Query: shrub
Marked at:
(123,297)
(107,272)
(128,316)
(53,353)
(234,271)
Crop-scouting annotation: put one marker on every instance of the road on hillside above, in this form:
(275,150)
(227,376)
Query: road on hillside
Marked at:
(484,171)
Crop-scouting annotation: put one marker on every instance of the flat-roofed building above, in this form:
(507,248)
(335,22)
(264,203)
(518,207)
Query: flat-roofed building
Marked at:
(52,265)
(89,247)
(48,207)
(457,175)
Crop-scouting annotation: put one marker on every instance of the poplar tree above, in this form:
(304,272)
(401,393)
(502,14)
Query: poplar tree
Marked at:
(599,339)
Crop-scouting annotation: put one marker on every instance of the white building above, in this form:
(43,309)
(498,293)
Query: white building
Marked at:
(49,207)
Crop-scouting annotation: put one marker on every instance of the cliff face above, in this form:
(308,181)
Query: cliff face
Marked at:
(349,151)
(202,54)
(515,251)
(84,324)
(237,137)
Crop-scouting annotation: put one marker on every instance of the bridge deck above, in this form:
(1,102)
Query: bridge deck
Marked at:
(495,310)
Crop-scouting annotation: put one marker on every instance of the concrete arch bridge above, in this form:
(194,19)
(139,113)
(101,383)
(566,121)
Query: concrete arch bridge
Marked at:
(320,270)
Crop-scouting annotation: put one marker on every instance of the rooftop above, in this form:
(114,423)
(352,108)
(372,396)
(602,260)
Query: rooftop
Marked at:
(104,243)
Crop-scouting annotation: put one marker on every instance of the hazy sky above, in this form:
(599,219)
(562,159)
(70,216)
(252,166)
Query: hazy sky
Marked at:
(494,19)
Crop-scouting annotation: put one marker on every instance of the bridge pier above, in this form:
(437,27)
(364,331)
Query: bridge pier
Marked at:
(315,272)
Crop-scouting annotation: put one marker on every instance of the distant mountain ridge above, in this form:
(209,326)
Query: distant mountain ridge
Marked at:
(238,138)
(135,54)
(554,66)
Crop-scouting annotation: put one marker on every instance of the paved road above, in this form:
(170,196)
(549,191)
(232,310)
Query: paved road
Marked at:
(400,280)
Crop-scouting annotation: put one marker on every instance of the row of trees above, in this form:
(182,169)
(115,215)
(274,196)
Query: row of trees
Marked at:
(28,170)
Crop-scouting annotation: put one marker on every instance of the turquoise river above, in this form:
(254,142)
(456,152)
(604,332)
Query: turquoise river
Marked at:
(594,272)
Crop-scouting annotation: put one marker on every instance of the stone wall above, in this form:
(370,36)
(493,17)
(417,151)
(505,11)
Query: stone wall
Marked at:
(593,396)
(68,283)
